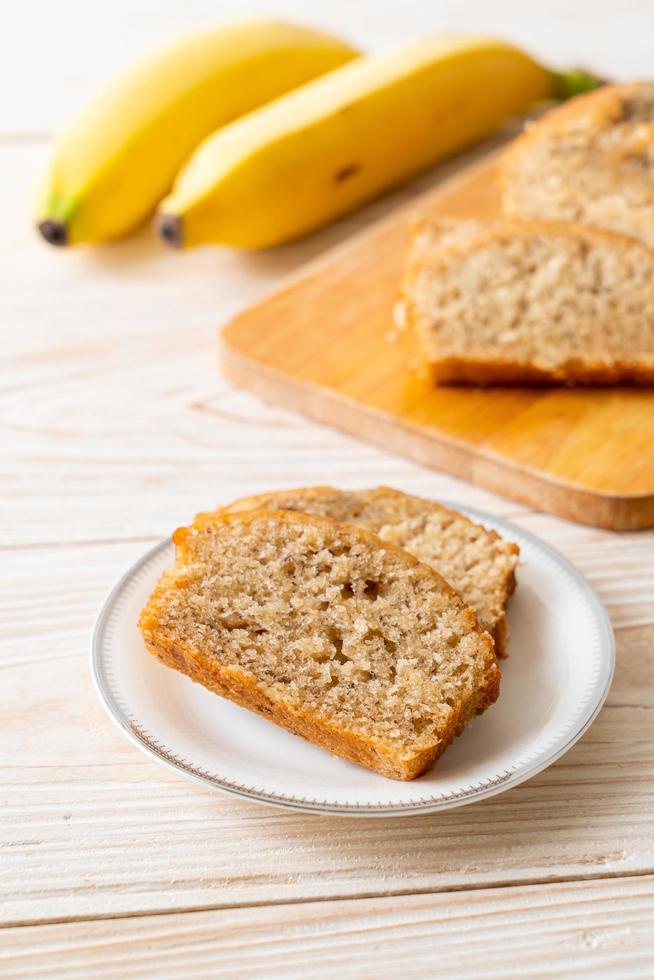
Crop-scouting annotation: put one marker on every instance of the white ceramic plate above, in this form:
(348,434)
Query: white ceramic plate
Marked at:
(553,685)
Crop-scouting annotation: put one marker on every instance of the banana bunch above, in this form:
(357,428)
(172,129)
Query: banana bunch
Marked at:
(253,134)
(114,164)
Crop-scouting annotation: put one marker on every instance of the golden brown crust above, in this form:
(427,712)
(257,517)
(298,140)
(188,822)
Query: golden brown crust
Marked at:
(500,632)
(239,686)
(453,371)
(258,501)
(261,500)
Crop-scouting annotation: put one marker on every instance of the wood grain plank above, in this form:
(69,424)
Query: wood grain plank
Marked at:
(119,836)
(115,427)
(598,929)
(89,826)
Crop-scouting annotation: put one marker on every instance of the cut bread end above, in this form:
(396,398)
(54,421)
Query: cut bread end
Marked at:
(527,302)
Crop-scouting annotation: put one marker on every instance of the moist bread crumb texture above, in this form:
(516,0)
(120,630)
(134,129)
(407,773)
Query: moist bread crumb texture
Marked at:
(590,160)
(326,630)
(476,562)
(531,301)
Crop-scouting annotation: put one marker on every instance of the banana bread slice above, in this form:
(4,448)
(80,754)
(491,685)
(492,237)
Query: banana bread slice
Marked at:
(531,302)
(326,630)
(476,562)
(590,160)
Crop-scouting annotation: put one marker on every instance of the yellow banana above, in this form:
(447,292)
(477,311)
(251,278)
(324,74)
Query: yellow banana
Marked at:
(337,141)
(120,157)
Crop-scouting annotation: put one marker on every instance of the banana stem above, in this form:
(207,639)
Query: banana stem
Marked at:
(574,81)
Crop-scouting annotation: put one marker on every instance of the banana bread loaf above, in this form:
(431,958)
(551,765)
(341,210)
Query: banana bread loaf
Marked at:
(512,301)
(590,160)
(326,630)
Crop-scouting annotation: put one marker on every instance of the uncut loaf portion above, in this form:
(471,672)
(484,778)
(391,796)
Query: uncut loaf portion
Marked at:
(590,160)
(512,301)
(476,562)
(326,630)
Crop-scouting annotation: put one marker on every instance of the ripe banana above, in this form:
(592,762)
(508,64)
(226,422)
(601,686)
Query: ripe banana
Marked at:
(321,150)
(120,157)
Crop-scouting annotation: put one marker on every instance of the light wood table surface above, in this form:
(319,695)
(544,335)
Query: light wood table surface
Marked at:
(116,426)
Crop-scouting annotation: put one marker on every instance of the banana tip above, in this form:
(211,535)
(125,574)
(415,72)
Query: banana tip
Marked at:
(169,228)
(54,232)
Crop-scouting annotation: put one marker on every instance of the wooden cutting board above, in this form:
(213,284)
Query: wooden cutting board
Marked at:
(325,345)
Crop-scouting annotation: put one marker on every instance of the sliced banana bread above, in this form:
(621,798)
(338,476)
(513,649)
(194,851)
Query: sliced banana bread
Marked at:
(531,302)
(326,630)
(590,160)
(478,563)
